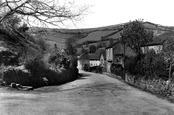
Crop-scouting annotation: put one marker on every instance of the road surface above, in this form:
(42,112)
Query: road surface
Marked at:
(93,94)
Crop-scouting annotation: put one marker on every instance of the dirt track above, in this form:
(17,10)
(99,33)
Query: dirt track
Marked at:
(93,94)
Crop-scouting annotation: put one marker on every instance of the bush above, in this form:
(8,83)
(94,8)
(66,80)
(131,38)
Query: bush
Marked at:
(150,73)
(157,86)
(16,75)
(117,69)
(37,73)
(8,57)
(133,66)
(154,65)
(38,69)
(151,65)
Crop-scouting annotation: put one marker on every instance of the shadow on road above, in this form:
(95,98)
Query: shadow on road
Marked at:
(51,88)
(83,75)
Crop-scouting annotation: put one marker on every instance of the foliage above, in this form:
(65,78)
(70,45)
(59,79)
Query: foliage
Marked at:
(168,51)
(36,67)
(135,35)
(101,44)
(2,68)
(151,66)
(38,70)
(16,16)
(54,59)
(132,66)
(168,48)
(154,85)
(16,75)
(117,69)
(92,48)
(83,50)
(12,21)
(69,44)
(154,65)
(8,57)
(111,41)
(25,45)
(34,73)
(41,43)
(23,28)
(20,42)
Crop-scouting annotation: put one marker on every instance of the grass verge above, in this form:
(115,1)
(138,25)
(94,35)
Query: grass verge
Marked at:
(169,98)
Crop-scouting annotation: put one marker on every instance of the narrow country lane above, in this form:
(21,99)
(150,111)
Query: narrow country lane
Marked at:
(92,94)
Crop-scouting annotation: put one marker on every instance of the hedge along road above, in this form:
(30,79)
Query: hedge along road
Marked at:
(92,94)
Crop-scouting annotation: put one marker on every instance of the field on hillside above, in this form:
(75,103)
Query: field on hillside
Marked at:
(95,36)
(58,36)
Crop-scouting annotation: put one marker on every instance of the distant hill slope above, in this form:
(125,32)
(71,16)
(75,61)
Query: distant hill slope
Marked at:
(58,36)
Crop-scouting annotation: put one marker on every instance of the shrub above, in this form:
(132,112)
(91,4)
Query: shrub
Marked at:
(154,65)
(54,59)
(37,74)
(92,48)
(1,73)
(16,75)
(133,66)
(150,73)
(8,57)
(117,69)
(37,69)
(151,65)
(157,86)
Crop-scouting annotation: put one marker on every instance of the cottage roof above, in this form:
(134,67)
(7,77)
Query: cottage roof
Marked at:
(112,45)
(84,56)
(97,54)
(155,41)
(160,39)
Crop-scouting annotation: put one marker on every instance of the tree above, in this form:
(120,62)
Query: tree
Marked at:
(17,15)
(92,48)
(69,44)
(168,51)
(111,41)
(83,50)
(154,65)
(43,11)
(135,35)
(99,45)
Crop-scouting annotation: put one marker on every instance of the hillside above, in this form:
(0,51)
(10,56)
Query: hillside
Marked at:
(58,36)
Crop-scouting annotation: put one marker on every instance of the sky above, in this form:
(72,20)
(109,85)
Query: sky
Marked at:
(111,12)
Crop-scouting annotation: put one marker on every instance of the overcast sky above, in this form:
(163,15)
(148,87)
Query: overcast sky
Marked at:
(110,12)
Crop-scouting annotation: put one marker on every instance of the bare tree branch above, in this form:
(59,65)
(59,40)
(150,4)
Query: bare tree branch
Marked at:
(42,11)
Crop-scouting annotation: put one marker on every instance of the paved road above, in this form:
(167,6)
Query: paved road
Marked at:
(93,94)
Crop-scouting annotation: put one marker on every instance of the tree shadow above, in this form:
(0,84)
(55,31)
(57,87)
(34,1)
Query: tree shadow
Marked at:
(83,75)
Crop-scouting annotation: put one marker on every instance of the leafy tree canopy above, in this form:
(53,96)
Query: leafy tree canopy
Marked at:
(92,48)
(135,35)
(69,44)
